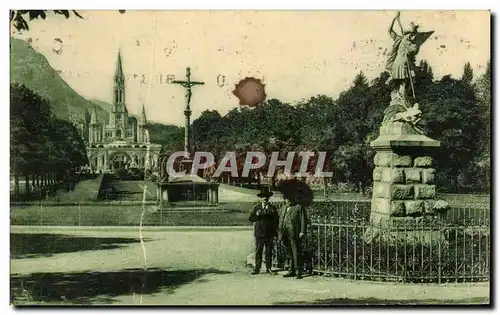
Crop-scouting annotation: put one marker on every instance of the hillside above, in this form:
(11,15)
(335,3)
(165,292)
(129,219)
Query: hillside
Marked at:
(32,69)
(171,137)
(104,105)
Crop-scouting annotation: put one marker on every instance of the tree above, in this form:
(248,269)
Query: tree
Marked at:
(352,157)
(208,131)
(169,136)
(451,116)
(482,162)
(18,17)
(319,131)
(40,143)
(468,74)
(29,120)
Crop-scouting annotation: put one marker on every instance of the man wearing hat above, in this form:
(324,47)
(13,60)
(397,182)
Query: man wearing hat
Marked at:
(292,227)
(265,218)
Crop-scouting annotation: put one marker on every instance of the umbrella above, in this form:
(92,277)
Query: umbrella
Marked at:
(297,192)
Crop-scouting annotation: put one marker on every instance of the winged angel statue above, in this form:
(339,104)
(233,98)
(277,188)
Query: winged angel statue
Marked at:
(400,66)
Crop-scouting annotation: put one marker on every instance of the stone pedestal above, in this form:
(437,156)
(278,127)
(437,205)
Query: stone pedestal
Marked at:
(403,178)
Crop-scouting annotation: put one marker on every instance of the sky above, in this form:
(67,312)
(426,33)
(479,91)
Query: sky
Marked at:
(297,54)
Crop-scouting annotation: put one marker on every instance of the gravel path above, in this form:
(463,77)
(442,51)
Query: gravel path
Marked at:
(200,266)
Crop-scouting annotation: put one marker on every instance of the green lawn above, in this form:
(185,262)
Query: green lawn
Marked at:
(126,215)
(191,214)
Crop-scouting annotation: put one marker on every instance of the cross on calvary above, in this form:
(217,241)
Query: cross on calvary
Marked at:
(188,84)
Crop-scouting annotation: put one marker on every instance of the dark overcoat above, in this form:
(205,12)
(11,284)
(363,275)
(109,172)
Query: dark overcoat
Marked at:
(266,220)
(293,220)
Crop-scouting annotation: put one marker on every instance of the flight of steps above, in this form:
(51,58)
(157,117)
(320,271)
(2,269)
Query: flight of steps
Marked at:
(113,188)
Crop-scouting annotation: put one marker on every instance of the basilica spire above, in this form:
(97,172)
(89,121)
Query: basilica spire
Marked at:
(119,77)
(93,117)
(119,86)
(143,120)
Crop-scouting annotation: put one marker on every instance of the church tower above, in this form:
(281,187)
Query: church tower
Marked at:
(86,125)
(118,117)
(94,127)
(141,133)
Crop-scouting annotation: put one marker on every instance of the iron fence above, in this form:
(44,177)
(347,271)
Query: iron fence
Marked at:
(360,210)
(430,250)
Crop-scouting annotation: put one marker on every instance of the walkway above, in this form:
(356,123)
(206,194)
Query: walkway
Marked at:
(185,266)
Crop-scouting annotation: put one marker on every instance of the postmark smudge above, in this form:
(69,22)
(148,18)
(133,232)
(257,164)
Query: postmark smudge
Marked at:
(250,91)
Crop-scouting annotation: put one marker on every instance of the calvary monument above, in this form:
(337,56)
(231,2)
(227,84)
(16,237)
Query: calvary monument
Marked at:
(187,187)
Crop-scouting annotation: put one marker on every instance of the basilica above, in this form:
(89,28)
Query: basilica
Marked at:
(122,141)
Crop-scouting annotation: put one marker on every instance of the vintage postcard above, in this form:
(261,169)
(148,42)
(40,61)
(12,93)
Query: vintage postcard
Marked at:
(250,158)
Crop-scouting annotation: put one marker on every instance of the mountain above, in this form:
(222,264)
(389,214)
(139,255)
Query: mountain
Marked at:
(32,69)
(104,105)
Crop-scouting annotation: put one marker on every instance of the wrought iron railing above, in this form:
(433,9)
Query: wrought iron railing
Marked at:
(360,210)
(433,250)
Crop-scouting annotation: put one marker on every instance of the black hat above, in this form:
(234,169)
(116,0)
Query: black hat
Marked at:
(265,193)
(297,192)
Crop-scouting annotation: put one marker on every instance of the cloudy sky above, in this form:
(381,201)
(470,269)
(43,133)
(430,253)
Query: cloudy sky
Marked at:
(298,54)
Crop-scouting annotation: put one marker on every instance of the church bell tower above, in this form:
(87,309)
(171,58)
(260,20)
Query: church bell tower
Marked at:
(118,115)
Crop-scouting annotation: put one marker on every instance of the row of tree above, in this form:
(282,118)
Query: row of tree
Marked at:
(456,111)
(43,149)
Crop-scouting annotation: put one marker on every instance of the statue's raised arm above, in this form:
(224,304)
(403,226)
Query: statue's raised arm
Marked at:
(393,33)
(401,58)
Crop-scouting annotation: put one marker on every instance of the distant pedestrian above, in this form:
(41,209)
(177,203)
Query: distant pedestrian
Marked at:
(265,218)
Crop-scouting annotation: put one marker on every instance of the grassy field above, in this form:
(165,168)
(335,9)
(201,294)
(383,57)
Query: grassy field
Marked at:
(185,214)
(126,215)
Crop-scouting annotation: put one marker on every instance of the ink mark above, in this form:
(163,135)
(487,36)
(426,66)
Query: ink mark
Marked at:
(168,51)
(221,80)
(167,78)
(170,78)
(250,91)
(58,42)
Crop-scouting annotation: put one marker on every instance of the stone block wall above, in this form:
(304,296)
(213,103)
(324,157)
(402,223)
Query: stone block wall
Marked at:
(403,186)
